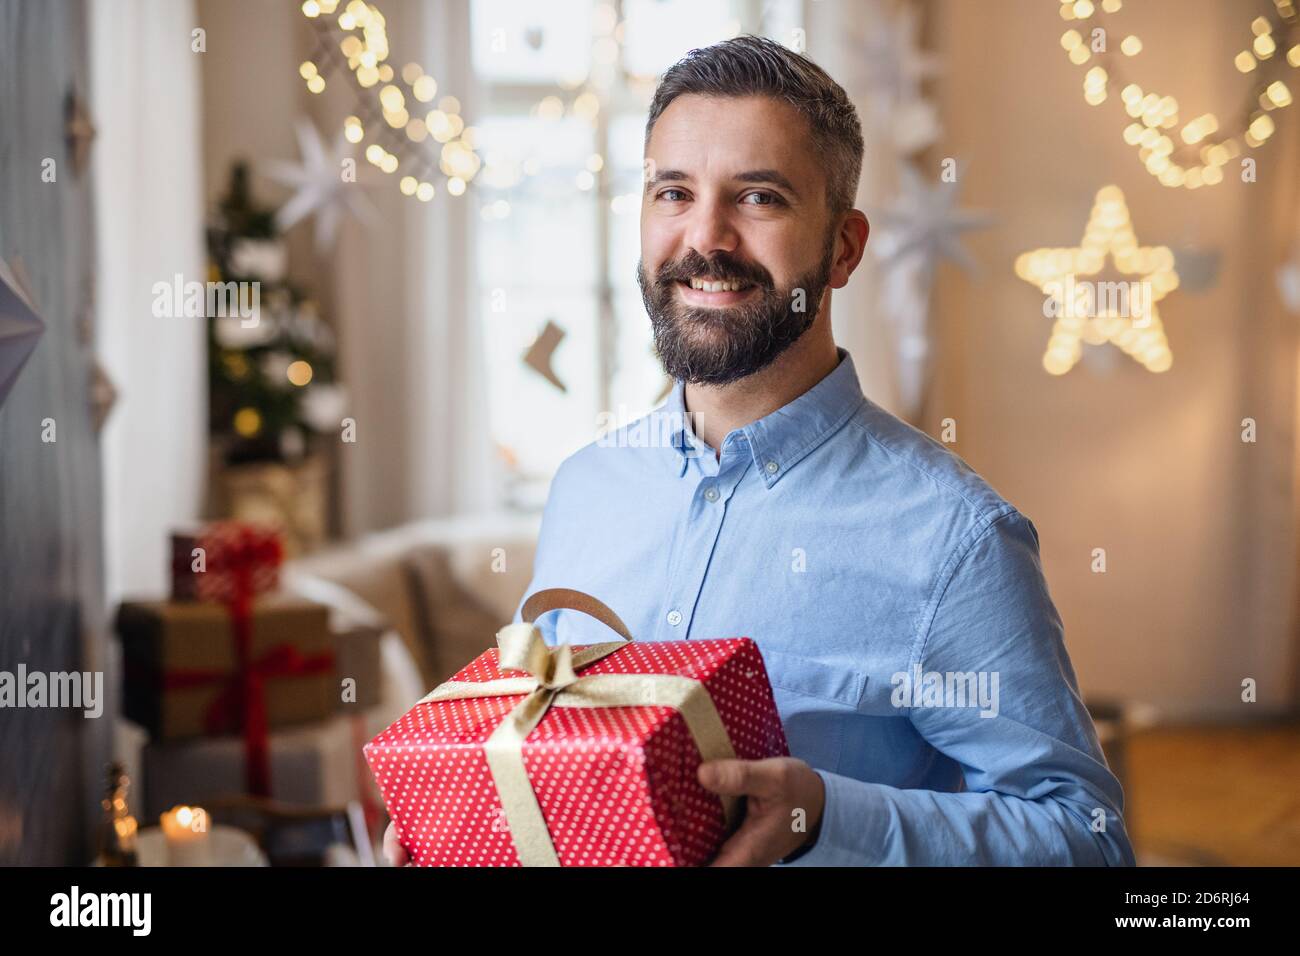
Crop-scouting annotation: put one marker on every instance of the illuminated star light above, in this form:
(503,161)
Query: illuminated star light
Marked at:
(1055,271)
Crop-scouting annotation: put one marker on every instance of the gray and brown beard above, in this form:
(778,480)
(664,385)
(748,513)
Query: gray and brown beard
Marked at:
(721,345)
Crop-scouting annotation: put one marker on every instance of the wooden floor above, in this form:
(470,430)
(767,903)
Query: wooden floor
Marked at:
(1215,796)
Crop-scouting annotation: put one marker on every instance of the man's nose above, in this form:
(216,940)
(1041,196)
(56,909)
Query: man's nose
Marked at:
(711,229)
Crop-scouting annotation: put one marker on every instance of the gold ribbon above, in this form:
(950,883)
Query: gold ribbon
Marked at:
(553,681)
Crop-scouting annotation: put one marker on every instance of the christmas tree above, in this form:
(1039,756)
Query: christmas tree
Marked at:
(271,381)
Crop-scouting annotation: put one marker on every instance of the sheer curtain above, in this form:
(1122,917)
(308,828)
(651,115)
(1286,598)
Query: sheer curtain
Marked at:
(411,345)
(149,227)
(836,30)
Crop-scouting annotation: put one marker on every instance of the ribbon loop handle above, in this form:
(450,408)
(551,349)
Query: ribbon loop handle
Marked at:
(550,599)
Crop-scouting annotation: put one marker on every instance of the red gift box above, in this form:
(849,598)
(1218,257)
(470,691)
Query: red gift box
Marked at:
(238,559)
(576,755)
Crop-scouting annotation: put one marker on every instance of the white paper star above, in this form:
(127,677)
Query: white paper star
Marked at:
(924,221)
(321,190)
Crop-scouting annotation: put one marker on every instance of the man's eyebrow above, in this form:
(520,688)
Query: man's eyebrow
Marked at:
(770,176)
(666,176)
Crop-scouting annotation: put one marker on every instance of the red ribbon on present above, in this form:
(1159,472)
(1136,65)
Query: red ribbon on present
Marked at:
(244,697)
(241,561)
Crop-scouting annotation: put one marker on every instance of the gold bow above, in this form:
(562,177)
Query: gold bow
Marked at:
(553,681)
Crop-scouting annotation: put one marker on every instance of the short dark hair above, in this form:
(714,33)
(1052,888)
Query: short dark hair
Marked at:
(757,66)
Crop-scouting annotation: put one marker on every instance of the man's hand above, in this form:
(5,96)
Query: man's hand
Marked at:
(393,851)
(784,801)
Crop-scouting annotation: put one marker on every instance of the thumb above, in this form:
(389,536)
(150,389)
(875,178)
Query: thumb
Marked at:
(730,778)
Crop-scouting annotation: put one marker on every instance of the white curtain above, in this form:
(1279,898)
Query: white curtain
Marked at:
(149,227)
(410,335)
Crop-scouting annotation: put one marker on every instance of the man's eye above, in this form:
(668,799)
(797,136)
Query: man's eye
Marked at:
(669,195)
(763,199)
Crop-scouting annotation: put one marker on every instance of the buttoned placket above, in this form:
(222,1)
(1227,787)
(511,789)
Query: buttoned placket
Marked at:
(709,485)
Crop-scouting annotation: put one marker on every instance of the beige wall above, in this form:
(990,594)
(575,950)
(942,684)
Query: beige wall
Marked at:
(1198,527)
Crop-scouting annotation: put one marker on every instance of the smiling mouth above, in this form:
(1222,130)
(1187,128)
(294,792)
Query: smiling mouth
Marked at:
(718,285)
(715,292)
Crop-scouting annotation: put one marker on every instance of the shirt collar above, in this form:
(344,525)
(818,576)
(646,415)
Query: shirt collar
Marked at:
(780,440)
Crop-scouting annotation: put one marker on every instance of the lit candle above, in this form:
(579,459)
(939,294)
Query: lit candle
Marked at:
(186,832)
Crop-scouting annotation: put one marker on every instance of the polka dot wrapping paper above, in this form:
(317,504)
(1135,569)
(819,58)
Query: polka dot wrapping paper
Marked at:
(616,785)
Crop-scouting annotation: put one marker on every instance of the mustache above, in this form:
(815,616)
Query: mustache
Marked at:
(721,266)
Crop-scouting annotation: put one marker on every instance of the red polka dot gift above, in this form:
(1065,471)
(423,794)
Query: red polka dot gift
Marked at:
(576,755)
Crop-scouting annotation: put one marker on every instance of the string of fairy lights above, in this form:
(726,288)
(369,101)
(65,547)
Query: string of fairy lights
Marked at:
(1206,146)
(396,115)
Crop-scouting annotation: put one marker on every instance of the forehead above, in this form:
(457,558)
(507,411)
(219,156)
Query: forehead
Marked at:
(714,137)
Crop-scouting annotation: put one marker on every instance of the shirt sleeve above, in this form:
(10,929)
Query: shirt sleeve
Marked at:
(1037,790)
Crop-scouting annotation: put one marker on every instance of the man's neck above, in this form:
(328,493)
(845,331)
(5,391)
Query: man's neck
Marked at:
(716,410)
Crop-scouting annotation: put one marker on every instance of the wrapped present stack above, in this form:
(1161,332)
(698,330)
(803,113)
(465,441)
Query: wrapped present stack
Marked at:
(244,689)
(569,755)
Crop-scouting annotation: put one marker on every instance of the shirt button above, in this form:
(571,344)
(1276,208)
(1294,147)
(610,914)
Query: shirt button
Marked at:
(711,494)
(771,467)
(674,618)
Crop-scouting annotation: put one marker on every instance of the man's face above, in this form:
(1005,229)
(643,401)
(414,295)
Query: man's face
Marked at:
(736,238)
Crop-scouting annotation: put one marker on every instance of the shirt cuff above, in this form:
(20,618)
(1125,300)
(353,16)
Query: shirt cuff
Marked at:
(852,828)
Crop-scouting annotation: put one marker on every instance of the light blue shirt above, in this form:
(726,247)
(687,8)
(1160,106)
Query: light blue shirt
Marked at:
(859,554)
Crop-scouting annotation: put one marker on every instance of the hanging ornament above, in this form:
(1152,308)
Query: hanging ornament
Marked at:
(893,61)
(539,354)
(924,223)
(1269,58)
(103,395)
(1124,312)
(884,69)
(20,324)
(920,227)
(321,190)
(79,132)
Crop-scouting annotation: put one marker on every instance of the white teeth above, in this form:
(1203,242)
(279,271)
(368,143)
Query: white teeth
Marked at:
(705,286)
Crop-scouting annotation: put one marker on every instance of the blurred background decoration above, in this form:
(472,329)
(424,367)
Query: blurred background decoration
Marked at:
(1270,58)
(438,138)
(440,202)
(275,411)
(1130,321)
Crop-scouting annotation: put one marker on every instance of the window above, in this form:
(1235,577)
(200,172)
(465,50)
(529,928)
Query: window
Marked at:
(566,85)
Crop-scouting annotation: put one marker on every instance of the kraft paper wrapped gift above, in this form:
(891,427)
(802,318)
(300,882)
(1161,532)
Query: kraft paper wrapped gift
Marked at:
(564,755)
(181,665)
(313,765)
(358,631)
(356,658)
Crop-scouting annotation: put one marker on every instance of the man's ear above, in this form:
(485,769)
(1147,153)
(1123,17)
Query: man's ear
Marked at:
(850,244)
